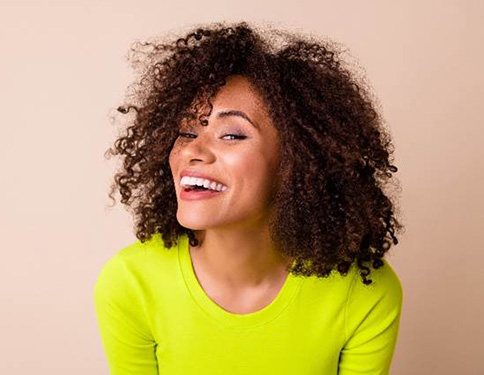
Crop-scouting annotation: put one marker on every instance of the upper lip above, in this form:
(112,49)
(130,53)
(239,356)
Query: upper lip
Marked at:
(187,172)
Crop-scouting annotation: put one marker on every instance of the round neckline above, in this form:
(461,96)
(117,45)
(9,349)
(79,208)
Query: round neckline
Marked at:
(233,320)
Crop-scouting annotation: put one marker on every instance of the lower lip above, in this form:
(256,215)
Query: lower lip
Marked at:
(198,194)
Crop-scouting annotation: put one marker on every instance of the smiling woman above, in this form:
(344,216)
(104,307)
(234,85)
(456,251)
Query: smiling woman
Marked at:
(255,167)
(246,165)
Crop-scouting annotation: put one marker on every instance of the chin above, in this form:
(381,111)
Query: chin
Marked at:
(192,222)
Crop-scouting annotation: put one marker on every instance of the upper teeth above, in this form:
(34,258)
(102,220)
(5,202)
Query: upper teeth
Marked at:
(191,181)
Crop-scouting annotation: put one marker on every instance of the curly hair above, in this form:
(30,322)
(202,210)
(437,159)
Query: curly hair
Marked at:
(331,206)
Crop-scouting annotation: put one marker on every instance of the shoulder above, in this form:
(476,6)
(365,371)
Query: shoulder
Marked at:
(378,301)
(146,254)
(134,265)
(140,252)
(385,283)
(124,290)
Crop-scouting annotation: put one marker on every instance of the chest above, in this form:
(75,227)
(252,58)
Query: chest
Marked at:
(305,338)
(279,348)
(244,301)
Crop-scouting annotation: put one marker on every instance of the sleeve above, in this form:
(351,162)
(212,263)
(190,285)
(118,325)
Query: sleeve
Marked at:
(372,320)
(126,339)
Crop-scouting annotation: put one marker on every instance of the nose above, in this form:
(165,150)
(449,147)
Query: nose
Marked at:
(199,148)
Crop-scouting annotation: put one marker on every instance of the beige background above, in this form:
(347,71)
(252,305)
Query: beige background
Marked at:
(62,72)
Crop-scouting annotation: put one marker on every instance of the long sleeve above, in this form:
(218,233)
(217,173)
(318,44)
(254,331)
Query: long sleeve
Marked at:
(126,337)
(372,322)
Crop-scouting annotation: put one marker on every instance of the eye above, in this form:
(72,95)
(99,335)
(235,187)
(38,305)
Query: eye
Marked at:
(237,136)
(180,134)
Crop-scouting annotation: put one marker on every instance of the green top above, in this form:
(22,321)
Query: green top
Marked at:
(155,318)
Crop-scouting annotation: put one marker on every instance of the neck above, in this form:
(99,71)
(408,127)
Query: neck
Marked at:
(239,259)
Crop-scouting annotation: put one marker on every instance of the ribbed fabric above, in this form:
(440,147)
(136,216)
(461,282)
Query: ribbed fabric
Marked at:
(155,318)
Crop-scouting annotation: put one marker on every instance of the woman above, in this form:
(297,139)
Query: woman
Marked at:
(255,166)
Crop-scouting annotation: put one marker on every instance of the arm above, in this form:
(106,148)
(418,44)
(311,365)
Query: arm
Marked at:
(372,321)
(125,334)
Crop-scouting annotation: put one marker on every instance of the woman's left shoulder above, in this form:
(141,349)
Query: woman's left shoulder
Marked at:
(385,289)
(384,278)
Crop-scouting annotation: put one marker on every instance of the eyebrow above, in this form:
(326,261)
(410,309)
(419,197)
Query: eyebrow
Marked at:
(234,112)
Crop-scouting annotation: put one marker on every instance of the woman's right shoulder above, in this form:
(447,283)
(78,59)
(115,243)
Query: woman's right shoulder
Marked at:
(128,284)
(147,251)
(141,260)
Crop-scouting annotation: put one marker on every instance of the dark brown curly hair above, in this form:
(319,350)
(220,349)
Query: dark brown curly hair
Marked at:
(331,207)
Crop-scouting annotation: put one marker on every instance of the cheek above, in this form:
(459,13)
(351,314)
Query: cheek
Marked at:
(172,158)
(173,165)
(243,163)
(252,170)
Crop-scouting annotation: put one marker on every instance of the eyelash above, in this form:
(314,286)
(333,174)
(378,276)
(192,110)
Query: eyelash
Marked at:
(238,136)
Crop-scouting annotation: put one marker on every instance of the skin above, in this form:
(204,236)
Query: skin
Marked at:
(236,263)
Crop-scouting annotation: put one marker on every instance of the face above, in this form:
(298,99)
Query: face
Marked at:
(241,153)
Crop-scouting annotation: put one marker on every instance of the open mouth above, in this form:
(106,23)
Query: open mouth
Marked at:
(193,192)
(196,188)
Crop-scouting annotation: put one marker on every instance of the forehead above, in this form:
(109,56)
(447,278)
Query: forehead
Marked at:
(239,91)
(238,94)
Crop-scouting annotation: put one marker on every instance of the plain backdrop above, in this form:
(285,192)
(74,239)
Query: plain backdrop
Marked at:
(63,71)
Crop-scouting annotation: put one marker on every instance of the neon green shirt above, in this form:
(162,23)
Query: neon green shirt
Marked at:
(155,318)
